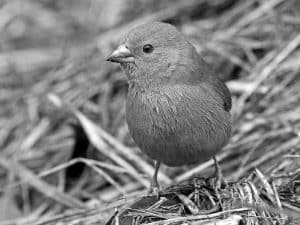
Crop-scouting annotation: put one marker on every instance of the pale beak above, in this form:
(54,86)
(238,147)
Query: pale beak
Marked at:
(121,55)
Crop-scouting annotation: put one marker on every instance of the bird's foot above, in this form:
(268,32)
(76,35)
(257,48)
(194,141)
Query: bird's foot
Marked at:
(154,187)
(219,182)
(154,190)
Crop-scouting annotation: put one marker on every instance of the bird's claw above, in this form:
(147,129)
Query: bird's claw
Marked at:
(219,181)
(154,190)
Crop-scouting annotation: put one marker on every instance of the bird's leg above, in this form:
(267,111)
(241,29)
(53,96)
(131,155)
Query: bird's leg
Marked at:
(154,187)
(220,181)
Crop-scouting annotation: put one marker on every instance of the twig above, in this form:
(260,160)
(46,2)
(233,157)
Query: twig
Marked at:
(289,48)
(48,190)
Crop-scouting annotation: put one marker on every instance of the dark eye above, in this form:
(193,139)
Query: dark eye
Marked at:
(148,48)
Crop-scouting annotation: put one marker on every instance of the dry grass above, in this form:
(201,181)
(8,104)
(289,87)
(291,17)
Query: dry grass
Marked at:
(66,156)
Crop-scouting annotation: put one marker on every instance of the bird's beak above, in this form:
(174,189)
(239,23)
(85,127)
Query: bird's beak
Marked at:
(121,55)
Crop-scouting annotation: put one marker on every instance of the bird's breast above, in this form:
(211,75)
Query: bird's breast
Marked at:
(177,125)
(151,113)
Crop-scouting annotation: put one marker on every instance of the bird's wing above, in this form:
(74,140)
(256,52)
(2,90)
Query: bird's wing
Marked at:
(223,91)
(193,70)
(207,75)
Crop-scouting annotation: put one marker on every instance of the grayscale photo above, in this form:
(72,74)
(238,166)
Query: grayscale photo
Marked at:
(128,112)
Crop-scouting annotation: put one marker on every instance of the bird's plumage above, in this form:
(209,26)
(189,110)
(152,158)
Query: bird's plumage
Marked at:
(177,110)
(175,126)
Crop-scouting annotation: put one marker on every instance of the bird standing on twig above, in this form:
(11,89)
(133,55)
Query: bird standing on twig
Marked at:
(178,111)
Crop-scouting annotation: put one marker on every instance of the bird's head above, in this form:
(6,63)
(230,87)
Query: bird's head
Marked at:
(151,51)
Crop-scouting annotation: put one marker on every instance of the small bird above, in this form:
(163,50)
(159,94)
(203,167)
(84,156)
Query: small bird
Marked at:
(177,110)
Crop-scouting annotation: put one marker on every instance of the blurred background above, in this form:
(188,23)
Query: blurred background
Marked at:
(64,142)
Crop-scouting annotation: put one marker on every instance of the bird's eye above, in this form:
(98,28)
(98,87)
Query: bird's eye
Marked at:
(148,48)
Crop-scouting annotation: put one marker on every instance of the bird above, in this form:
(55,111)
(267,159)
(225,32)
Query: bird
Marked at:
(177,109)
